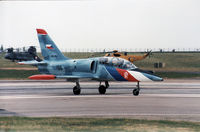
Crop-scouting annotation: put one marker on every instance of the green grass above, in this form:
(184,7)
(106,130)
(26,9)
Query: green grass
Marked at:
(174,61)
(52,124)
(4,63)
(17,74)
(78,55)
(177,75)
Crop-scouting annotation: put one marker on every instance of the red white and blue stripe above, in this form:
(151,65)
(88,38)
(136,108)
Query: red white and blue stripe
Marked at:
(132,76)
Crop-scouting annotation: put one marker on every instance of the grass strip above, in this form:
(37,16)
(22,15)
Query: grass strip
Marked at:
(24,74)
(178,75)
(17,74)
(51,124)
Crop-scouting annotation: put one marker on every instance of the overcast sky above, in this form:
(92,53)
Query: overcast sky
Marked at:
(103,23)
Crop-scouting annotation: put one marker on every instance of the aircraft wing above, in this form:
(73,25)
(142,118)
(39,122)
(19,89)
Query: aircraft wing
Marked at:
(33,62)
(49,77)
(73,77)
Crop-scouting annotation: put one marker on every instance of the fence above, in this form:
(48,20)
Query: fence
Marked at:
(139,50)
(135,50)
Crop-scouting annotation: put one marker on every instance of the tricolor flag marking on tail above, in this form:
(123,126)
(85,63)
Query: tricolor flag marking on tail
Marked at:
(49,46)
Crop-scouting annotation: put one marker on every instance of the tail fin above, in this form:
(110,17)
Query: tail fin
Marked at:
(48,47)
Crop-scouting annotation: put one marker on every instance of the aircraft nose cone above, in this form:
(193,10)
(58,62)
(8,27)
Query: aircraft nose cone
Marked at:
(156,78)
(153,77)
(160,79)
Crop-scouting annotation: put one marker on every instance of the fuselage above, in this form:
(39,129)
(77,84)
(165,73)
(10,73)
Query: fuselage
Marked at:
(100,68)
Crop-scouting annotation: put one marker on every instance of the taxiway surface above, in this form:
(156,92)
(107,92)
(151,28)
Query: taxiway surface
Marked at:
(171,99)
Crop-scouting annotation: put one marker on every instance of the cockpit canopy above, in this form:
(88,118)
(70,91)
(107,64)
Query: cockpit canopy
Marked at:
(117,62)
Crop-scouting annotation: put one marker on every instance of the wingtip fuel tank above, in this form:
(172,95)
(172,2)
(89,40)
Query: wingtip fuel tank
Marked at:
(42,77)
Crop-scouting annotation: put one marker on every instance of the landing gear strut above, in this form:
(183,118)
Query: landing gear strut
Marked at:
(102,88)
(136,91)
(77,89)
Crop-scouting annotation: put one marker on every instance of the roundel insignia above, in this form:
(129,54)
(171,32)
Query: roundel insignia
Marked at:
(126,75)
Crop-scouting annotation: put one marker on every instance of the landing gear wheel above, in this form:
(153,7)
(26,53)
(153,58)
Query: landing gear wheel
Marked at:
(136,92)
(102,89)
(76,90)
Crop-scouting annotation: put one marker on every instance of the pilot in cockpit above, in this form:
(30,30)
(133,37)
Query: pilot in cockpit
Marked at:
(117,62)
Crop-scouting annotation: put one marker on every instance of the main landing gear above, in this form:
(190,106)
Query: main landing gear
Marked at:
(102,88)
(136,91)
(77,88)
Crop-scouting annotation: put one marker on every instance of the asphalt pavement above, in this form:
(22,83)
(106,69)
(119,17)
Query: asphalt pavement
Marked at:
(171,99)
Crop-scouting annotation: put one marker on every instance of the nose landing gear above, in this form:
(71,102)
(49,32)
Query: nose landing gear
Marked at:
(136,91)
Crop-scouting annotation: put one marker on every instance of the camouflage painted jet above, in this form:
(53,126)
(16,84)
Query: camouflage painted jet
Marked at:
(22,56)
(102,69)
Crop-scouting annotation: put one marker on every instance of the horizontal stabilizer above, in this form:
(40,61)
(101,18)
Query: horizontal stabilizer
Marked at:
(33,62)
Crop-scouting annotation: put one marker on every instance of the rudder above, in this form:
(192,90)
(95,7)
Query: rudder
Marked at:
(48,48)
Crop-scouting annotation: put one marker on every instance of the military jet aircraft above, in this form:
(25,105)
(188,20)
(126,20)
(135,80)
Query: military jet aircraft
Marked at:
(22,56)
(130,58)
(103,69)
